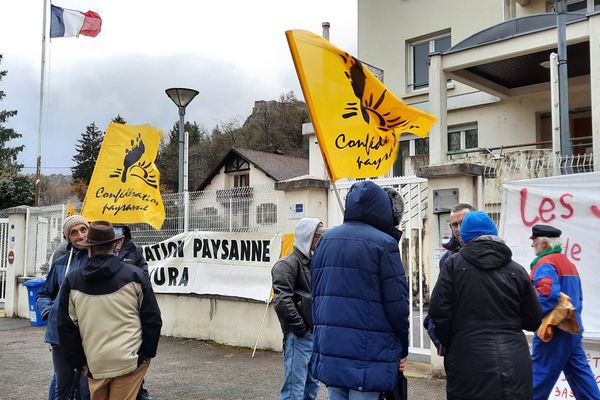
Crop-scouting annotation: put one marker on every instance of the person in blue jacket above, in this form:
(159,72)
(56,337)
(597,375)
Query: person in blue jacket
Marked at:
(553,273)
(453,245)
(75,229)
(360,299)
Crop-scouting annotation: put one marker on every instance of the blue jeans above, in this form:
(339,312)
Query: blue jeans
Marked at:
(64,377)
(298,382)
(347,394)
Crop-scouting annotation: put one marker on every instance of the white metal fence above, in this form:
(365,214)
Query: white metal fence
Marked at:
(244,209)
(414,192)
(506,166)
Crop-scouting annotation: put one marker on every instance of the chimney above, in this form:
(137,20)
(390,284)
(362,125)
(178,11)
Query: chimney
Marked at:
(325,26)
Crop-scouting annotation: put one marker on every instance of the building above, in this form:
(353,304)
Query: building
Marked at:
(481,67)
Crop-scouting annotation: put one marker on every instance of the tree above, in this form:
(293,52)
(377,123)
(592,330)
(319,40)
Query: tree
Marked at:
(168,155)
(16,190)
(8,155)
(55,189)
(276,125)
(87,149)
(119,120)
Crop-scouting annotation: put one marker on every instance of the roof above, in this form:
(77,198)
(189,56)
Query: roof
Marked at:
(513,28)
(276,166)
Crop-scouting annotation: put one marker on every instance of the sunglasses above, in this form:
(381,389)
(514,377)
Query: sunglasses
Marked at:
(454,224)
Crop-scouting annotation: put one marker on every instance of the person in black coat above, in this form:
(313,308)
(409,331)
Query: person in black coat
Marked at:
(480,306)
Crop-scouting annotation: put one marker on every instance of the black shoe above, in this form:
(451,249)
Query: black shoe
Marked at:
(143,395)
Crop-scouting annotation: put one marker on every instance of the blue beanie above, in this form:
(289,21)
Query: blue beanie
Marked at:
(476,223)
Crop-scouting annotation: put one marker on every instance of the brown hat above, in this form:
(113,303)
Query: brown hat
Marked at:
(100,232)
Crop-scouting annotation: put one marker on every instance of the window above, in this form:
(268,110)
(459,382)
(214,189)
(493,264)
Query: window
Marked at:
(409,148)
(572,5)
(462,138)
(241,180)
(266,213)
(419,59)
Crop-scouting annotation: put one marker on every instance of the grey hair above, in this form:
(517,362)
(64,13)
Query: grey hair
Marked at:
(552,242)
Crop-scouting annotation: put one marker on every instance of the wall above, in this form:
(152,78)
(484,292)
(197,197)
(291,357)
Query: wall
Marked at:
(225,181)
(514,120)
(385,26)
(315,206)
(228,321)
(316,166)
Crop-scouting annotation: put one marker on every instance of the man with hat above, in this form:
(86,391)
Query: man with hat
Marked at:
(75,229)
(108,319)
(553,273)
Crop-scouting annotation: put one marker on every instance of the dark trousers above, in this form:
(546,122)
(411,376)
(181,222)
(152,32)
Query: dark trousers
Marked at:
(65,375)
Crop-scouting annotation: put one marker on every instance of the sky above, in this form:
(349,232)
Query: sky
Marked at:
(234,52)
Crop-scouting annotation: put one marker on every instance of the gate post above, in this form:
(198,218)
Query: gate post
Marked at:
(461,181)
(16,300)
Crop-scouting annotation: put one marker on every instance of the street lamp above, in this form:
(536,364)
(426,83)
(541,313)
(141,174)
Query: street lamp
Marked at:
(181,97)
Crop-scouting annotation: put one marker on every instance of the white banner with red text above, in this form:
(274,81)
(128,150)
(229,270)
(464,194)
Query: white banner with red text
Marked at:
(222,263)
(570,203)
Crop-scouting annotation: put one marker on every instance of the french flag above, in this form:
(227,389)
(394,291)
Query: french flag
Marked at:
(68,23)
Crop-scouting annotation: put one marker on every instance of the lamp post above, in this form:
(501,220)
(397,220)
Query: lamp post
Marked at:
(181,97)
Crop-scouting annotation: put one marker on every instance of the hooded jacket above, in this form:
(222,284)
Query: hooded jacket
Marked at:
(108,317)
(291,276)
(360,297)
(47,299)
(480,304)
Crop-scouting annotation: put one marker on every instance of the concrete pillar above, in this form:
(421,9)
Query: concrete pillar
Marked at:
(16,244)
(438,136)
(462,177)
(594,21)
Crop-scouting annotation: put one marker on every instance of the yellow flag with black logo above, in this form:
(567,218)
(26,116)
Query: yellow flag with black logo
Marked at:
(125,183)
(357,120)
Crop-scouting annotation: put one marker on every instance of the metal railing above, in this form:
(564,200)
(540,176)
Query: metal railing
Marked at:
(244,209)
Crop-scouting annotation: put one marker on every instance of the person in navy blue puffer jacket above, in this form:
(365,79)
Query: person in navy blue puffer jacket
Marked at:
(360,299)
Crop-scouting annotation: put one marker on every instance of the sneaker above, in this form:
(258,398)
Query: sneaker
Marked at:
(143,395)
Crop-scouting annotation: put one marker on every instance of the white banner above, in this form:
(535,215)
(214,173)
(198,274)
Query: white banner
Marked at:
(228,264)
(570,203)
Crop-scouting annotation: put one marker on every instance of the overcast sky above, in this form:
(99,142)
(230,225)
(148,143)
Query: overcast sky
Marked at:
(233,52)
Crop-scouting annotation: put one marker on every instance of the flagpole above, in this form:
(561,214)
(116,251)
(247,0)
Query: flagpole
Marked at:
(262,323)
(38,166)
(326,26)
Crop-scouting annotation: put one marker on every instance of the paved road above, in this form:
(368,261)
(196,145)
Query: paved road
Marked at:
(184,369)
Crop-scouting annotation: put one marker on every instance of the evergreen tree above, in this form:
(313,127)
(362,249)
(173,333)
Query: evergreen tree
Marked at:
(168,156)
(16,190)
(119,120)
(8,155)
(87,149)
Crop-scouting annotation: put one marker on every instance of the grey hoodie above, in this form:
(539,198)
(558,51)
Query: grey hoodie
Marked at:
(304,233)
(291,278)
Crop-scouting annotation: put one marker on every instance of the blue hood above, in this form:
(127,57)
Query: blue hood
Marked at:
(368,203)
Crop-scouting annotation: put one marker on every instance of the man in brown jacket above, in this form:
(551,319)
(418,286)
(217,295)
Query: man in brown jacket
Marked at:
(108,321)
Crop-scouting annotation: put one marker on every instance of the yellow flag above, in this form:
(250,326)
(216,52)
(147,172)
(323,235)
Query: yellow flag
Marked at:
(358,121)
(125,184)
(70,209)
(287,244)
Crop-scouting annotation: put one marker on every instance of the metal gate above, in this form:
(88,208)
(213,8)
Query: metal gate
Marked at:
(3,258)
(414,193)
